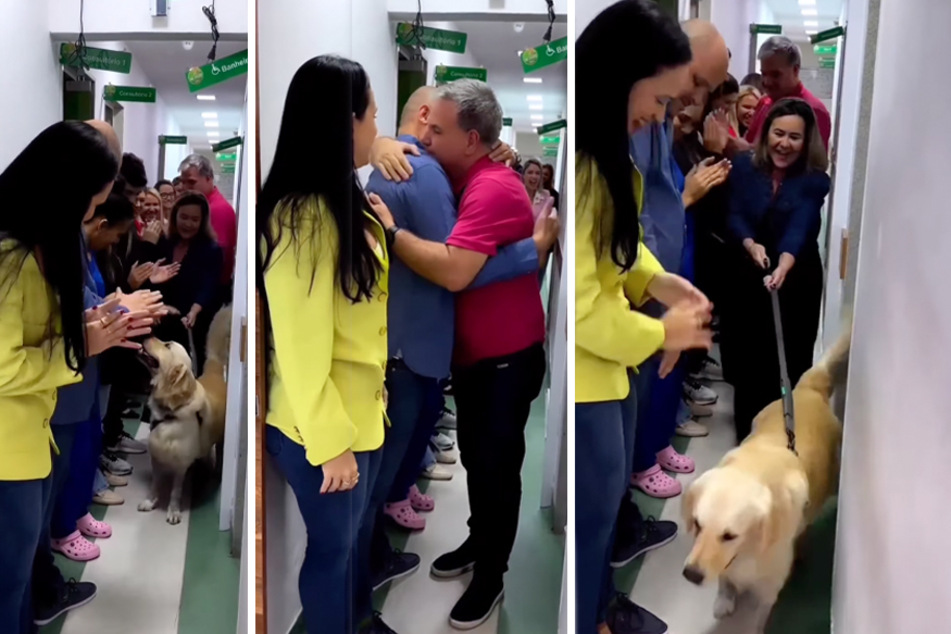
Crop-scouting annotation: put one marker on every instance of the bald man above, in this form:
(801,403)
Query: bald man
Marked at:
(421,320)
(110,133)
(668,234)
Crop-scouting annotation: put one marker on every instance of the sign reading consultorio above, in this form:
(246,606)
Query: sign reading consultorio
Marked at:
(201,77)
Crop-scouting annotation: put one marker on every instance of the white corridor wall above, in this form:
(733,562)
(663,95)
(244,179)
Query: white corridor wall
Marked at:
(893,565)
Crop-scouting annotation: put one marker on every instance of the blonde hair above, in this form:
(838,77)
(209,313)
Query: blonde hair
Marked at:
(746,91)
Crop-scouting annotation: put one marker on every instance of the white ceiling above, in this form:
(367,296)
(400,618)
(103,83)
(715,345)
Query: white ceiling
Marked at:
(496,46)
(165,64)
(789,14)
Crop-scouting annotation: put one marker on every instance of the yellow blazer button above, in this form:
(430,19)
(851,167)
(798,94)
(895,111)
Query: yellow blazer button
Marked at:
(382,331)
(379,395)
(46,422)
(381,297)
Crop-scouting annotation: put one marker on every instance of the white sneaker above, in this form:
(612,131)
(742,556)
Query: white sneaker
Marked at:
(127,444)
(442,441)
(437,472)
(692,429)
(447,456)
(698,393)
(700,411)
(114,464)
(709,371)
(448,420)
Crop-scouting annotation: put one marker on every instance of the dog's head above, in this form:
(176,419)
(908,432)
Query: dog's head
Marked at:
(173,382)
(731,513)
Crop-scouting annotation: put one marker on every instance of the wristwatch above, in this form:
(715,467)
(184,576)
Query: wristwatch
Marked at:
(391,232)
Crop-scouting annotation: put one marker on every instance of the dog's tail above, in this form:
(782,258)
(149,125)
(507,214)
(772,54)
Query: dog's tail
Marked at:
(830,370)
(218,345)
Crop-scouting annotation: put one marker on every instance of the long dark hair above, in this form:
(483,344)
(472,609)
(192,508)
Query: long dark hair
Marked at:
(813,156)
(205,232)
(325,95)
(80,160)
(627,42)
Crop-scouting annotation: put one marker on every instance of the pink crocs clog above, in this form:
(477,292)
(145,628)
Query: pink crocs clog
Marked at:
(76,547)
(657,484)
(670,460)
(403,514)
(91,527)
(420,501)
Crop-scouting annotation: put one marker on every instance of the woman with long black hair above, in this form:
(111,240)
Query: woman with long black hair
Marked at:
(775,215)
(322,275)
(613,269)
(46,332)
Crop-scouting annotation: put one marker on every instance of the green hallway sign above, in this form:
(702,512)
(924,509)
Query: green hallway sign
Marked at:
(227,143)
(551,127)
(828,34)
(766,29)
(550,140)
(201,77)
(550,152)
(98,58)
(823,51)
(446,74)
(129,93)
(172,140)
(545,55)
(437,39)
(506,122)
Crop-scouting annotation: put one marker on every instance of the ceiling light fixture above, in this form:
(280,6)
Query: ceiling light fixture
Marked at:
(205,97)
(811,31)
(213,133)
(810,12)
(532,80)
(534,98)
(211,124)
(811,23)
(536,106)
(209,115)
(537,117)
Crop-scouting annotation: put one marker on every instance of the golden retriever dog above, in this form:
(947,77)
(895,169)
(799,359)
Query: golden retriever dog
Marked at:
(188,414)
(746,513)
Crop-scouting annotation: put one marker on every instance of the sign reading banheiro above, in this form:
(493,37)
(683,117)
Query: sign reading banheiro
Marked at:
(98,58)
(438,39)
(201,77)
(544,55)
(129,93)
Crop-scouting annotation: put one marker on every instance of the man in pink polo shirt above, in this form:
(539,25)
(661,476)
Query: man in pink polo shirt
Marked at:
(781,59)
(498,355)
(198,175)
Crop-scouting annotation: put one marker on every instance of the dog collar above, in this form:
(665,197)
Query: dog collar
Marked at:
(170,416)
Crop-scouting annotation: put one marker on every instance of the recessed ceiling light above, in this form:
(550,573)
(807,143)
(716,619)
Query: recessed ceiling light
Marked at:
(534,98)
(536,106)
(211,124)
(209,115)
(810,12)
(532,80)
(213,133)
(537,117)
(807,3)
(811,32)
(205,97)
(814,23)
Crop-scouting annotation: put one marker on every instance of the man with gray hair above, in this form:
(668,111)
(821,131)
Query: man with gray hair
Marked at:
(781,60)
(198,175)
(498,359)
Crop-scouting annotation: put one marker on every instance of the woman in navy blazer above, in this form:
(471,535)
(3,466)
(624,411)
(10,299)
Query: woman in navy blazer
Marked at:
(191,244)
(774,219)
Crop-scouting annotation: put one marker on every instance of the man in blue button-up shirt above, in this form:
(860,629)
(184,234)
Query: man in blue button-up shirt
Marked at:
(421,322)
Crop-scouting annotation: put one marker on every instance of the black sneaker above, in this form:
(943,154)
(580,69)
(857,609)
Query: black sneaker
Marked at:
(651,534)
(626,617)
(377,626)
(476,604)
(398,565)
(454,564)
(74,594)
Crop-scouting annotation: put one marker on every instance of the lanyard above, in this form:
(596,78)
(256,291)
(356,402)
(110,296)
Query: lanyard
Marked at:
(788,413)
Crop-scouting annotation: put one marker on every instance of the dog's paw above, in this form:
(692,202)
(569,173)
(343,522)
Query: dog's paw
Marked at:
(173,517)
(724,607)
(146,505)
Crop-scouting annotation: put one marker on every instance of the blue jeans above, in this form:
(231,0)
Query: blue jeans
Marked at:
(72,502)
(658,420)
(23,507)
(333,520)
(47,579)
(412,419)
(604,446)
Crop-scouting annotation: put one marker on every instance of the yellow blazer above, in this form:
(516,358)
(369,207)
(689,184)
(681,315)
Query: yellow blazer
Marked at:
(32,367)
(609,336)
(329,354)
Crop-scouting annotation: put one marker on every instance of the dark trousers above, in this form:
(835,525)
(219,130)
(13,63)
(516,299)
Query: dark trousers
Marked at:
(425,403)
(326,582)
(493,401)
(74,499)
(127,376)
(752,346)
(657,403)
(23,507)
(47,579)
(411,399)
(604,446)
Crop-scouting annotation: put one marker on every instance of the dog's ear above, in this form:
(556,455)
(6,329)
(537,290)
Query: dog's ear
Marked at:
(178,374)
(770,520)
(689,502)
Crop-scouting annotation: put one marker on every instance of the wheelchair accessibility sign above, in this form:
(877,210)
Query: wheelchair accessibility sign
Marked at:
(201,77)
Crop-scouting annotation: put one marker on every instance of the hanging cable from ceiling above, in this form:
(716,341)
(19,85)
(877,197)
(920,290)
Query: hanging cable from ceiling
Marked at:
(551,20)
(209,12)
(417,30)
(77,57)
